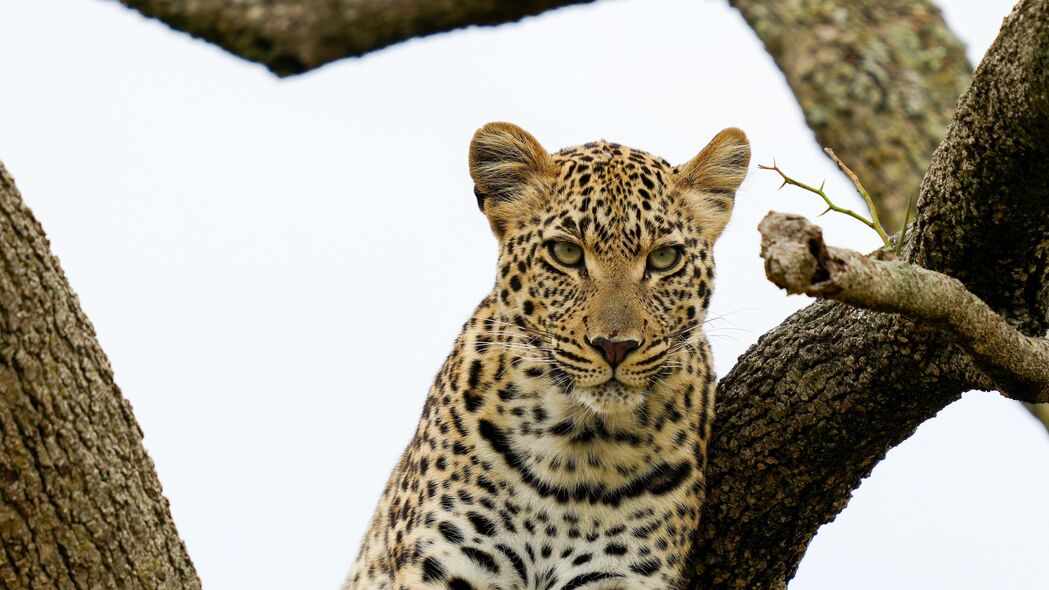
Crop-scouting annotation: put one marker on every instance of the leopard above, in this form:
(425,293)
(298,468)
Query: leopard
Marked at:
(563,443)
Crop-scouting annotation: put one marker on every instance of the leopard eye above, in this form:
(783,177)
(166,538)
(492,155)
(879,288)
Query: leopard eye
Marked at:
(663,258)
(566,253)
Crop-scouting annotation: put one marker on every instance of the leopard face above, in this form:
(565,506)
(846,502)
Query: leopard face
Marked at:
(605,254)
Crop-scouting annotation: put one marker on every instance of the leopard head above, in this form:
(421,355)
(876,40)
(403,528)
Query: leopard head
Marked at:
(605,253)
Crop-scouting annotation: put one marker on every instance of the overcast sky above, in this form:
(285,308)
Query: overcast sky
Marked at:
(277,268)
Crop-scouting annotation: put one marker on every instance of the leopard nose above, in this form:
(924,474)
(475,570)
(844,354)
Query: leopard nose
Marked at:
(614,351)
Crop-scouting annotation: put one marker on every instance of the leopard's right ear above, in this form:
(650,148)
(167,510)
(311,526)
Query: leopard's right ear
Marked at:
(511,173)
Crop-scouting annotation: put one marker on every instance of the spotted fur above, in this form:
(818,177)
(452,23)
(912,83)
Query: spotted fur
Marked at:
(537,465)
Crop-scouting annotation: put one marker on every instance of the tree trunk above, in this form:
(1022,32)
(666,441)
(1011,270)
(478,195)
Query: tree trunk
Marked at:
(80,503)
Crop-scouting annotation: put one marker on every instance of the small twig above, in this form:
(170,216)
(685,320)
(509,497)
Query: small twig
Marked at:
(797,260)
(830,204)
(875,223)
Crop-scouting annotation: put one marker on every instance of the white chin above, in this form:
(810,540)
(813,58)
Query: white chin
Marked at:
(611,397)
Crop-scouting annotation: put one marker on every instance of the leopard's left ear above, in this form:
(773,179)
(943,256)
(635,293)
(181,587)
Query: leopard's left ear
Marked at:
(709,181)
(510,170)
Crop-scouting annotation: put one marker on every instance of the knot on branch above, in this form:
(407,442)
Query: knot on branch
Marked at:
(796,258)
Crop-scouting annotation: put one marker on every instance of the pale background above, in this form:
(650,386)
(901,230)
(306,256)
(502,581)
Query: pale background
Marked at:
(277,268)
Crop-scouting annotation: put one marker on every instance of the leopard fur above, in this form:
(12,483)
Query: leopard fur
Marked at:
(537,464)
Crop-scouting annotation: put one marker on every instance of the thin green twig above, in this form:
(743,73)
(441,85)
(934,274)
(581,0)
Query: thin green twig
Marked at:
(873,224)
(903,231)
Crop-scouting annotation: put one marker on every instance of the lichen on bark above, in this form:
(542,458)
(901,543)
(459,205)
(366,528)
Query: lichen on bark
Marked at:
(876,80)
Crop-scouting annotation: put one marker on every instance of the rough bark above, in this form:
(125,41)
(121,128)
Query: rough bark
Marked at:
(80,503)
(798,260)
(877,81)
(811,408)
(295,36)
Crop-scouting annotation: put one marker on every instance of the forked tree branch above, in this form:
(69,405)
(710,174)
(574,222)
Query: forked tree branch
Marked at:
(877,80)
(816,403)
(796,259)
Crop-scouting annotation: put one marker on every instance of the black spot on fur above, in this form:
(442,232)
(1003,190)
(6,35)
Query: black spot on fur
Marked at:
(432,570)
(515,561)
(484,560)
(450,532)
(645,568)
(580,581)
(482,524)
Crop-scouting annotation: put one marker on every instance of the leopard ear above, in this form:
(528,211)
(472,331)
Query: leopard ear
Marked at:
(510,170)
(709,181)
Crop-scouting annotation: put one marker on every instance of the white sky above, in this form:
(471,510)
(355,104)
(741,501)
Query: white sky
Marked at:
(277,268)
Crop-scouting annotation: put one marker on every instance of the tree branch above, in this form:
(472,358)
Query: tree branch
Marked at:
(295,36)
(811,408)
(876,80)
(797,260)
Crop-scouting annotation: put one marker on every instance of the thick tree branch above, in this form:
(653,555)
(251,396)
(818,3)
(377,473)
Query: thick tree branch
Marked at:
(984,208)
(294,36)
(876,80)
(797,260)
(80,503)
(811,408)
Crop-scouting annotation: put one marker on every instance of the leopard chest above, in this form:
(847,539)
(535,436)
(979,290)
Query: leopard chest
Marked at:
(509,513)
(519,536)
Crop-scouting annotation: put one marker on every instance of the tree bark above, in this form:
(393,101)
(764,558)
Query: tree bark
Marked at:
(80,503)
(877,81)
(295,36)
(811,408)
